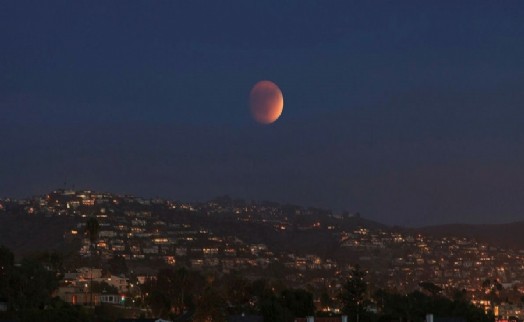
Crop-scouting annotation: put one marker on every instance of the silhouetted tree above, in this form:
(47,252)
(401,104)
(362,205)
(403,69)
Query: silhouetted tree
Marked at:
(117,265)
(287,305)
(272,309)
(298,301)
(238,293)
(56,311)
(103,287)
(7,261)
(30,286)
(159,303)
(492,288)
(414,307)
(176,289)
(325,299)
(210,307)
(92,229)
(431,288)
(353,294)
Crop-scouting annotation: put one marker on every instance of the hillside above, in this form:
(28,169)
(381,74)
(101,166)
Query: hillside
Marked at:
(27,234)
(304,230)
(508,235)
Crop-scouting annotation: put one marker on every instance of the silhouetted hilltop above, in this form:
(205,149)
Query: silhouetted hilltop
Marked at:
(510,235)
(40,223)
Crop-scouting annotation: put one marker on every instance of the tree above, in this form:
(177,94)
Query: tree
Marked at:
(30,286)
(272,309)
(159,303)
(174,290)
(431,288)
(237,292)
(325,299)
(414,306)
(492,288)
(92,229)
(353,294)
(299,302)
(210,307)
(57,311)
(289,304)
(7,261)
(103,287)
(117,265)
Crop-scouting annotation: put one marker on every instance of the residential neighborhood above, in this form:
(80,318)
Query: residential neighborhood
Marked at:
(145,235)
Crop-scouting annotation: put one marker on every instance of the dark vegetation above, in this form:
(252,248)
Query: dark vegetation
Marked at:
(25,234)
(205,296)
(28,289)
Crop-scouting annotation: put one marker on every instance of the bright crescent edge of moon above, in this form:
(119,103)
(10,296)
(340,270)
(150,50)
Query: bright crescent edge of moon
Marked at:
(266,102)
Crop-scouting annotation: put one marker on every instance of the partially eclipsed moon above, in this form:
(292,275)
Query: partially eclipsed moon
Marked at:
(266,102)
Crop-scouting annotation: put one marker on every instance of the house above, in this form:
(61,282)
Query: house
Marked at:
(88,273)
(111,299)
(77,297)
(120,282)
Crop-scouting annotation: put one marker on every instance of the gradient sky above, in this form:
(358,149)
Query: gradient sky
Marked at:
(409,112)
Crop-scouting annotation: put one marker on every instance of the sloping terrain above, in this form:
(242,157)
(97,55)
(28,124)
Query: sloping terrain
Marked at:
(510,235)
(26,234)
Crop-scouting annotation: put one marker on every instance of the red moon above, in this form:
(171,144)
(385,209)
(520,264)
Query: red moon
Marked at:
(266,102)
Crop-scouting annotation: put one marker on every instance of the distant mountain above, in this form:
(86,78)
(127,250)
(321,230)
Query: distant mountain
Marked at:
(353,222)
(293,239)
(289,227)
(510,235)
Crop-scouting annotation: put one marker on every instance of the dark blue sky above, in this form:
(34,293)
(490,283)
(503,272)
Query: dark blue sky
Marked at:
(409,112)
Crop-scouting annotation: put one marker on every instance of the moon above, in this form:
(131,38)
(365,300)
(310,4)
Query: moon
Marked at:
(266,102)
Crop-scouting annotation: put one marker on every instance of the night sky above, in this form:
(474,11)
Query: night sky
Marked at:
(409,112)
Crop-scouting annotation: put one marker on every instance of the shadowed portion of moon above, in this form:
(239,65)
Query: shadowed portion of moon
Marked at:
(266,102)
